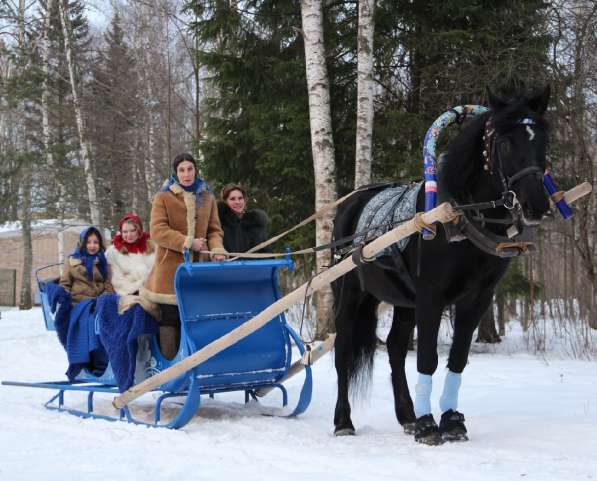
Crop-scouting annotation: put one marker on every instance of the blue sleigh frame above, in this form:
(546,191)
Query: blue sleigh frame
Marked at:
(213,299)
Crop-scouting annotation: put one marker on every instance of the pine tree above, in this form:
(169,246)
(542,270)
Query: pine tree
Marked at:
(113,115)
(256,119)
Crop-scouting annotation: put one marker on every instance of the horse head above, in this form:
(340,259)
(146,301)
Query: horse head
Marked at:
(515,139)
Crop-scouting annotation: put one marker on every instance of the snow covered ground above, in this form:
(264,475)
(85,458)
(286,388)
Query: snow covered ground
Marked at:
(529,418)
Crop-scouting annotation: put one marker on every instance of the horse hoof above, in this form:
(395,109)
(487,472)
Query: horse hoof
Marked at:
(452,426)
(344,431)
(454,436)
(427,432)
(409,428)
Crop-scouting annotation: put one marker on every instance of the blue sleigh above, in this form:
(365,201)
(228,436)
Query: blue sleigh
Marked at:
(213,299)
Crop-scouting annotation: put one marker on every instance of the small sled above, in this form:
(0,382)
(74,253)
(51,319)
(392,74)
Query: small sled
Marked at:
(213,299)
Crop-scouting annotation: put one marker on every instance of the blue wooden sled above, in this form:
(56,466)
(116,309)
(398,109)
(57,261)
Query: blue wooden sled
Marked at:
(213,299)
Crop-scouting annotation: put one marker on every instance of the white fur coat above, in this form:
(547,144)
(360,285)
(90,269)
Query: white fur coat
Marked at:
(129,271)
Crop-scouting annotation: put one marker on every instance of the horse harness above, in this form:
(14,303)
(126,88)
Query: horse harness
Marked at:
(471,224)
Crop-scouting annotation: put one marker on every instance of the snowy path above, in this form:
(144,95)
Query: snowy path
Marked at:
(528,419)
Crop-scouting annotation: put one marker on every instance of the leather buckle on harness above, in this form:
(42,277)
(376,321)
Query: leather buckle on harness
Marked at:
(357,256)
(510,200)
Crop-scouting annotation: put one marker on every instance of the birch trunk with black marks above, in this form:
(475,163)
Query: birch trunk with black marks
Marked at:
(85,145)
(25,291)
(57,193)
(25,173)
(322,147)
(365,91)
(45,91)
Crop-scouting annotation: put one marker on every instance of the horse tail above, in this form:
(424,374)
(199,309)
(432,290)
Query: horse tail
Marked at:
(364,343)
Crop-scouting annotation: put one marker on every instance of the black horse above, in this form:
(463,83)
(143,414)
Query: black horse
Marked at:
(495,166)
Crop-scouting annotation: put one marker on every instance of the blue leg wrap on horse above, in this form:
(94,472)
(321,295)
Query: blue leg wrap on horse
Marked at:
(449,398)
(423,395)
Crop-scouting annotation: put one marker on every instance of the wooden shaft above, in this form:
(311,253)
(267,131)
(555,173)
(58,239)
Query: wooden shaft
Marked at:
(316,354)
(442,213)
(577,192)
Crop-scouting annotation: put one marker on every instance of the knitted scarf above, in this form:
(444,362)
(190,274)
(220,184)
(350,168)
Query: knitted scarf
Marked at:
(137,247)
(197,187)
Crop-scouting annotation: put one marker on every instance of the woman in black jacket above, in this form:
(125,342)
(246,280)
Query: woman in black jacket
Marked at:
(243,229)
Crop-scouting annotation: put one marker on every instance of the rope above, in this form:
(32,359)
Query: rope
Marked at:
(557,196)
(310,250)
(314,216)
(420,224)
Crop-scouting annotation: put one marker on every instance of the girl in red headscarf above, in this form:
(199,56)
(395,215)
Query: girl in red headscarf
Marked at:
(130,256)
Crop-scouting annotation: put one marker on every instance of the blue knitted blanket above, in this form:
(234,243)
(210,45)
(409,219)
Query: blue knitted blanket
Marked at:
(93,333)
(119,333)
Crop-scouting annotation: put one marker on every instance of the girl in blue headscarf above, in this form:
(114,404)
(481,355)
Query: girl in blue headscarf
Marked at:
(86,274)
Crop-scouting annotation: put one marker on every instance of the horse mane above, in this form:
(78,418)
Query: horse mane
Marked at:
(462,160)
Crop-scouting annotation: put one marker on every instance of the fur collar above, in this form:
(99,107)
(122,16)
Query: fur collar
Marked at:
(177,189)
(73,261)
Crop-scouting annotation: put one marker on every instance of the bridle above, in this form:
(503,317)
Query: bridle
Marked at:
(493,163)
(520,236)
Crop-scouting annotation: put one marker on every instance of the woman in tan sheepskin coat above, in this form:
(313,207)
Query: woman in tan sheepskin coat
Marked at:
(184,216)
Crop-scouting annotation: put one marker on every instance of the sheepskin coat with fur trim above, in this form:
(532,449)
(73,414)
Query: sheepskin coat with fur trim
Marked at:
(129,271)
(74,279)
(242,233)
(175,222)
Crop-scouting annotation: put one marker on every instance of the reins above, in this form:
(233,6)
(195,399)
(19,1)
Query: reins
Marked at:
(313,250)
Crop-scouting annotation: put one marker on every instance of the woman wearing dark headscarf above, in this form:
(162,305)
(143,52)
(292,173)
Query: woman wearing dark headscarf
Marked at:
(86,274)
(184,216)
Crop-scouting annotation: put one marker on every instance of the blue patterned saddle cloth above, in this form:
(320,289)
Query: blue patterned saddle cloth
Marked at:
(388,209)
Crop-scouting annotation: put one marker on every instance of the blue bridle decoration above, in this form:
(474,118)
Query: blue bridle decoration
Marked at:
(430,166)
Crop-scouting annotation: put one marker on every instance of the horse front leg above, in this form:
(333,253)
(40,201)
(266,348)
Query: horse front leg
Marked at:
(468,315)
(428,315)
(398,342)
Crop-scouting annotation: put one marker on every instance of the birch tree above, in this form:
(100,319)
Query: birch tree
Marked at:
(25,291)
(322,146)
(85,145)
(365,91)
(45,92)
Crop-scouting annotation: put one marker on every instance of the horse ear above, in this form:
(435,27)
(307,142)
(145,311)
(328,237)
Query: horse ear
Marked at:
(495,102)
(538,103)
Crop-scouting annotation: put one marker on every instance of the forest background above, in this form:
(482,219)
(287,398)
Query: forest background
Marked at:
(90,118)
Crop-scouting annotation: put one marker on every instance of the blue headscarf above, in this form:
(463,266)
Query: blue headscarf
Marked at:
(197,187)
(87,259)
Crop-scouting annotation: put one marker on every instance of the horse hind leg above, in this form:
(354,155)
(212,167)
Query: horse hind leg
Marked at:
(398,344)
(345,305)
(353,350)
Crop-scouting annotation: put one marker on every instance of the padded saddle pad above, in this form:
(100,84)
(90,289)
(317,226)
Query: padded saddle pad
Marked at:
(388,209)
